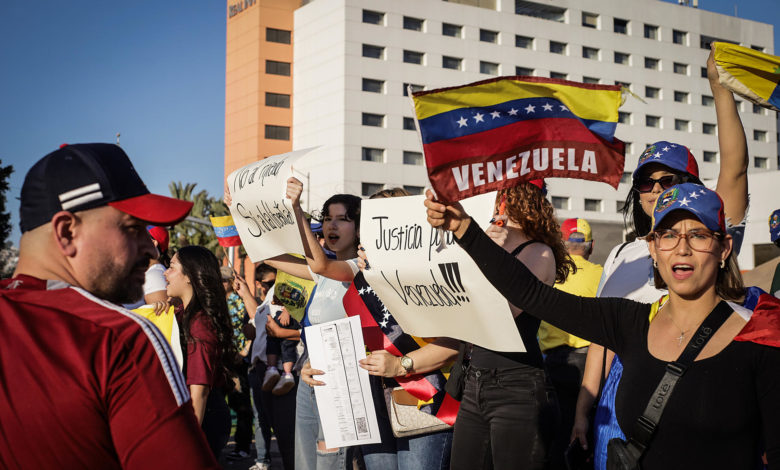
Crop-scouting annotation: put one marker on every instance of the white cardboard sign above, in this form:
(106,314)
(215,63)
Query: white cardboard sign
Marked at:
(432,292)
(263,216)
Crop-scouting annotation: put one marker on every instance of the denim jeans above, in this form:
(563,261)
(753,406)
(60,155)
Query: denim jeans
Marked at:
(506,420)
(564,367)
(308,432)
(424,452)
(273,412)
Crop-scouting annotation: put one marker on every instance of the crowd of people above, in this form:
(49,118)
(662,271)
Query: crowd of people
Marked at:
(665,323)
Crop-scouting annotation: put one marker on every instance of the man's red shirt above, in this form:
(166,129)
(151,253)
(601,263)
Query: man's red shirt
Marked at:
(87,384)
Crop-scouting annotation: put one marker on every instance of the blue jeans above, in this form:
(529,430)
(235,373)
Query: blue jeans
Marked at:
(308,433)
(506,420)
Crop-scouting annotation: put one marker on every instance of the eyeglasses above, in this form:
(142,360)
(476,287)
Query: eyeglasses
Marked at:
(698,239)
(645,185)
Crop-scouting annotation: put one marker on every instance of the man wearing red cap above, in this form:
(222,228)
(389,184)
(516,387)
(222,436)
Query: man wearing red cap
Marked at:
(89,384)
(565,354)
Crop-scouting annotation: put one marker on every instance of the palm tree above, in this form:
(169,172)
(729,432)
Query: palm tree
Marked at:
(190,232)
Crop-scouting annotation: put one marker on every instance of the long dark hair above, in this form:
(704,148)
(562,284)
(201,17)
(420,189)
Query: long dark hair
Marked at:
(527,206)
(634,217)
(208,299)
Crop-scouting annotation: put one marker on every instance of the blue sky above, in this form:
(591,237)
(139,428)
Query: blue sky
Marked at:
(154,71)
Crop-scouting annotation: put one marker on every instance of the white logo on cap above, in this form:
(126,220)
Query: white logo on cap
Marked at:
(79,196)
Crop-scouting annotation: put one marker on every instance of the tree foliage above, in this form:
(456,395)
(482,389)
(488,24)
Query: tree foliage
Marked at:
(5,217)
(189,232)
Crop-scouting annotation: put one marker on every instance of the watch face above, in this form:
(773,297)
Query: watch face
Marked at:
(406,362)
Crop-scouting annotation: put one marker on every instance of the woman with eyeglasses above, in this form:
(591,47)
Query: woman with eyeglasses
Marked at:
(628,271)
(724,410)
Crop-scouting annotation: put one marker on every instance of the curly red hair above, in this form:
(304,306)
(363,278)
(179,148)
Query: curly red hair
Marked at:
(527,206)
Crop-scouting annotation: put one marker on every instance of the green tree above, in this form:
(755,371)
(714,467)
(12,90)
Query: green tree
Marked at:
(5,217)
(192,232)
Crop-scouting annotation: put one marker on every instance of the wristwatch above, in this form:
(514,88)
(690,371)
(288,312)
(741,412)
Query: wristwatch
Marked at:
(407,363)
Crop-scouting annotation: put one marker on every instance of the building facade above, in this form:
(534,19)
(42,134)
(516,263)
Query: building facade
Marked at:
(354,61)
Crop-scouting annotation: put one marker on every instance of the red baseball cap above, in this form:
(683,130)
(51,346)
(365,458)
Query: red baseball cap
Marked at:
(576,230)
(85,176)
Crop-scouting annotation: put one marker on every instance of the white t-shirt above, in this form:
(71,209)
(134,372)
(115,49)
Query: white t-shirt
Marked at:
(327,302)
(261,317)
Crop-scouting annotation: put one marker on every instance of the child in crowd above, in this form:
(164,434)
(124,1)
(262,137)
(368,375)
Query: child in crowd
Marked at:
(276,347)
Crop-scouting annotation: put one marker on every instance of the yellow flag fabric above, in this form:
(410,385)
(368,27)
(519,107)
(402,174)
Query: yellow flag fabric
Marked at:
(293,292)
(167,325)
(751,74)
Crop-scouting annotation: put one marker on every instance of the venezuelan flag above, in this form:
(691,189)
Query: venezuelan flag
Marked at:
(749,73)
(226,231)
(517,129)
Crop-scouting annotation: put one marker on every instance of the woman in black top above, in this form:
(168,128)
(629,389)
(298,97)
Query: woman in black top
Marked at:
(725,411)
(506,415)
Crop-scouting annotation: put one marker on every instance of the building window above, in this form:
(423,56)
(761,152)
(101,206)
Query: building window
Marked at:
(620,26)
(590,20)
(373,52)
(757,48)
(277,132)
(590,53)
(490,68)
(413,57)
(486,35)
(452,30)
(413,158)
(629,147)
(703,72)
(652,121)
(681,69)
(708,128)
(277,100)
(453,63)
(277,68)
(540,10)
(593,205)
(626,177)
(559,75)
(653,64)
(707,100)
(414,190)
(524,71)
(591,80)
(373,17)
(619,206)
(682,125)
(373,86)
(414,24)
(369,189)
(622,58)
(651,31)
(524,42)
(652,92)
(759,136)
(373,120)
(624,117)
(679,37)
(415,88)
(709,156)
(409,124)
(760,162)
(373,155)
(278,35)
(757,109)
(623,84)
(558,47)
(560,203)
(681,96)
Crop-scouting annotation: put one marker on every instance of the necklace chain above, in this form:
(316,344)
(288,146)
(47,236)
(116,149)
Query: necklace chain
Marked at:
(682,332)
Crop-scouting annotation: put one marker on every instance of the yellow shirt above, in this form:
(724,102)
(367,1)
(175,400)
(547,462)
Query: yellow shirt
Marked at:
(585,283)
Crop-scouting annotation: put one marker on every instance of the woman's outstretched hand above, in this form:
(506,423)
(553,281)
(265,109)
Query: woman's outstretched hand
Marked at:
(447,217)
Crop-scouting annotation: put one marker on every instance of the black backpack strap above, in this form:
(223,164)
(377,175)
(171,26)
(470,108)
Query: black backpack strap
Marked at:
(646,424)
(520,247)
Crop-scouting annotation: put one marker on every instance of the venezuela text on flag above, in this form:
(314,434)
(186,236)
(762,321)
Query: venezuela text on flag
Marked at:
(226,231)
(497,133)
(749,73)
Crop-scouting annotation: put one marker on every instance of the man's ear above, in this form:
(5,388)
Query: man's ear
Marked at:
(65,226)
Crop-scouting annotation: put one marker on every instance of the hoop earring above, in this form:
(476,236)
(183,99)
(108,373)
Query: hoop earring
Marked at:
(655,264)
(723,264)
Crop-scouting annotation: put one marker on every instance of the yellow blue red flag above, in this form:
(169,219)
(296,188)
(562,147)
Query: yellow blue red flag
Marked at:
(749,73)
(225,228)
(497,133)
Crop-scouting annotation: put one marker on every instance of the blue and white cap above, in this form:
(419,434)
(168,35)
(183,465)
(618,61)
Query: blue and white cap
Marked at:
(703,203)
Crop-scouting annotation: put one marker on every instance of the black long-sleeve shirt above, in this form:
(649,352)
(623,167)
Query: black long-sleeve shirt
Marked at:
(724,412)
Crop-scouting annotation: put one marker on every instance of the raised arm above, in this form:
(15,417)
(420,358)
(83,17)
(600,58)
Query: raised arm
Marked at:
(291,265)
(732,179)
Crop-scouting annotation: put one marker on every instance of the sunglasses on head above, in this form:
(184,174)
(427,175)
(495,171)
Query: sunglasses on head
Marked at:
(646,184)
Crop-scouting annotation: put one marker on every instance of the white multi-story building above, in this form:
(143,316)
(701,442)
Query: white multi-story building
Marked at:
(353,60)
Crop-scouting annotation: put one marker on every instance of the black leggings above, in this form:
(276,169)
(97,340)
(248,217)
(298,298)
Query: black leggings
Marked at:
(216,422)
(506,420)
